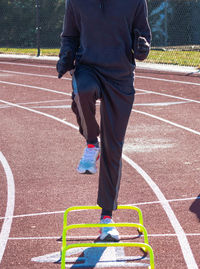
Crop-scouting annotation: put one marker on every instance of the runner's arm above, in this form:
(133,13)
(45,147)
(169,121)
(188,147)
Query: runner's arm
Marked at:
(69,42)
(141,35)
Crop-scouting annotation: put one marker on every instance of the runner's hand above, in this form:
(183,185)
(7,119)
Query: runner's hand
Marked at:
(61,69)
(65,63)
(141,46)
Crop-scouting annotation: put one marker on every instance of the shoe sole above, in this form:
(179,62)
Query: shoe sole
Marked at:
(88,172)
(109,238)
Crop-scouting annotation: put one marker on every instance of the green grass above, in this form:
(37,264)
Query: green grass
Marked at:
(176,57)
(32,52)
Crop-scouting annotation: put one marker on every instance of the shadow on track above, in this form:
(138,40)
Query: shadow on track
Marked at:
(195,207)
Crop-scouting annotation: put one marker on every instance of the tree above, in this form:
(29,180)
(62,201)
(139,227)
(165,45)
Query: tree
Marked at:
(18,23)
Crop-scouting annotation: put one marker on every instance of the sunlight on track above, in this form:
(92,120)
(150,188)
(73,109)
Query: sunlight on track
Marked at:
(5,231)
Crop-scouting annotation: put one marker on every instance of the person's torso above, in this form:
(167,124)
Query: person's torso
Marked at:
(105,34)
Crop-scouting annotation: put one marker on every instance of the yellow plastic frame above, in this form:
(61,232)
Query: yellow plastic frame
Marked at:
(144,246)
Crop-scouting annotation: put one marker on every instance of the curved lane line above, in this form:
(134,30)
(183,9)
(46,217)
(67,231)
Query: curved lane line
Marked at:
(64,93)
(41,113)
(5,231)
(34,87)
(135,204)
(32,74)
(184,244)
(137,76)
(167,121)
(170,80)
(168,95)
(30,65)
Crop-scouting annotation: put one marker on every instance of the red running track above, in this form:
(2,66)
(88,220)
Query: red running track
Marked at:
(41,147)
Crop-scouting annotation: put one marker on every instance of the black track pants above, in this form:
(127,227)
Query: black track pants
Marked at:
(116,104)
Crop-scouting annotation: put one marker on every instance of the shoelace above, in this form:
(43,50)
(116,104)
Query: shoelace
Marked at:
(107,221)
(89,154)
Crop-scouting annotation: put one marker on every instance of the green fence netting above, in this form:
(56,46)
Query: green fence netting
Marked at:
(175,26)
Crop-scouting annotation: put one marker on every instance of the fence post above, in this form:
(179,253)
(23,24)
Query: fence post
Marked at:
(37,6)
(166,22)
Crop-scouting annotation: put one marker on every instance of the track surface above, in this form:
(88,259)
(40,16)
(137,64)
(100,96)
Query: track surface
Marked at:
(41,147)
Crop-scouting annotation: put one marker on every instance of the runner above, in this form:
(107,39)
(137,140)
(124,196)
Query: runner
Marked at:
(100,42)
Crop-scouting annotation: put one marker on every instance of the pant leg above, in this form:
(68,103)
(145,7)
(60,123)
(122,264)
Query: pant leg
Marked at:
(86,90)
(116,106)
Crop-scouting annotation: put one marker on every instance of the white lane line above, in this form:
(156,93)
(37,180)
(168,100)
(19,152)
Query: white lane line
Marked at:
(41,113)
(6,227)
(141,93)
(170,201)
(61,106)
(161,104)
(29,65)
(167,121)
(93,237)
(34,214)
(38,102)
(34,87)
(32,74)
(168,95)
(135,204)
(59,92)
(184,244)
(137,76)
(170,80)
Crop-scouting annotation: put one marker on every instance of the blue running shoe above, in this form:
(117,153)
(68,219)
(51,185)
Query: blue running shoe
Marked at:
(108,234)
(87,163)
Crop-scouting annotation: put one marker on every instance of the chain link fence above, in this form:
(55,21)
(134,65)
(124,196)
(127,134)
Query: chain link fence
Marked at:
(175,26)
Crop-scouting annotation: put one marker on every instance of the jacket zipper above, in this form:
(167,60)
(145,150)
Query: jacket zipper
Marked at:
(102,4)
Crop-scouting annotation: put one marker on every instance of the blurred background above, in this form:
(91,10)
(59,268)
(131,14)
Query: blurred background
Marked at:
(34,26)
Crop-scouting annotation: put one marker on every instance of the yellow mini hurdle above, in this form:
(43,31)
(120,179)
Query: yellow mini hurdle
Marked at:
(144,246)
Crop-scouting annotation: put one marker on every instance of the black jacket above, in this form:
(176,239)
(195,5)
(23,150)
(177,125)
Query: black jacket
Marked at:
(100,33)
